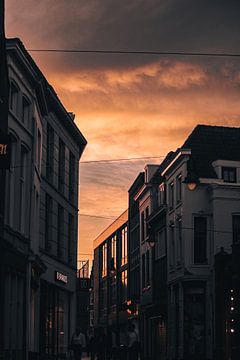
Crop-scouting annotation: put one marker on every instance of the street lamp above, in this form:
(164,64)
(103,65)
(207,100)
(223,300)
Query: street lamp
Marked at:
(191,180)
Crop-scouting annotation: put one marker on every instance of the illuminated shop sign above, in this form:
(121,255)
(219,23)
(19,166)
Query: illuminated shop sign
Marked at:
(61,277)
(4,151)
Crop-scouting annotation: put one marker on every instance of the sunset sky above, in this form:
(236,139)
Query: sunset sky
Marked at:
(132,105)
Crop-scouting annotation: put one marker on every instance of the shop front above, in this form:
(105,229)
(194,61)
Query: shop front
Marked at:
(56,315)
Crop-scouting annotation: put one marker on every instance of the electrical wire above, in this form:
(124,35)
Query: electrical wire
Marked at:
(131,52)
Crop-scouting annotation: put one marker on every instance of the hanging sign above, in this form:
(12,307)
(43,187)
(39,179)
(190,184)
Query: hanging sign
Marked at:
(5,151)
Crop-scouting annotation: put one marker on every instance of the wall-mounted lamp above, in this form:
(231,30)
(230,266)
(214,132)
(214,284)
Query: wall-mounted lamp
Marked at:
(151,241)
(191,180)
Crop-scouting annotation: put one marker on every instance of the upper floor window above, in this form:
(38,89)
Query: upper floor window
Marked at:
(104,260)
(162,194)
(26,111)
(61,166)
(71,176)
(143,271)
(179,188)
(146,217)
(160,244)
(124,252)
(113,264)
(48,221)
(236,229)
(38,149)
(14,98)
(229,174)
(23,189)
(200,240)
(60,234)
(171,195)
(142,226)
(70,248)
(124,285)
(50,152)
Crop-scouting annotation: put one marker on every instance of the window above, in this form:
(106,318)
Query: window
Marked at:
(23,190)
(113,264)
(143,271)
(142,227)
(14,98)
(146,217)
(60,228)
(179,239)
(70,238)
(162,194)
(50,152)
(147,268)
(48,222)
(171,195)
(104,260)
(113,290)
(38,149)
(179,188)
(26,111)
(236,229)
(124,285)
(200,240)
(172,245)
(124,253)
(61,164)
(229,174)
(71,176)
(160,244)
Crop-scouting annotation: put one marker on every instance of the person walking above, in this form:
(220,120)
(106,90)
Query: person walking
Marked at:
(133,343)
(78,343)
(101,344)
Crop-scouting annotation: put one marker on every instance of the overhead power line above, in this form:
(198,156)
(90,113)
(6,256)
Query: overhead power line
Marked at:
(131,52)
(123,159)
(97,216)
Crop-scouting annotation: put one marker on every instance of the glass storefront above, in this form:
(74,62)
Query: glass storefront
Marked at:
(55,327)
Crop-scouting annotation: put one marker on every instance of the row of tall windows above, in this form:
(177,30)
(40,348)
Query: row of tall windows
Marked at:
(20,105)
(143,223)
(18,187)
(50,158)
(64,237)
(175,195)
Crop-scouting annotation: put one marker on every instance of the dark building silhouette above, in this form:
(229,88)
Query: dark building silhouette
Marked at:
(39,244)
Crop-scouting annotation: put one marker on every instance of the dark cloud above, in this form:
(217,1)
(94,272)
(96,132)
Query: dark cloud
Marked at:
(170,25)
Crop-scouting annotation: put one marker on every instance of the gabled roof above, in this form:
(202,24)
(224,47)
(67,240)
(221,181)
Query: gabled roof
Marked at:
(210,143)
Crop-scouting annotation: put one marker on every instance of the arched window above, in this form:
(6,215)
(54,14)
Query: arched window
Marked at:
(14,98)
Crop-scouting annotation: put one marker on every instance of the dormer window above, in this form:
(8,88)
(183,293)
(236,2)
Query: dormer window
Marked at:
(229,174)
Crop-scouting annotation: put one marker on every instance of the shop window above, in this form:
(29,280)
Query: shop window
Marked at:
(229,174)
(113,290)
(200,240)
